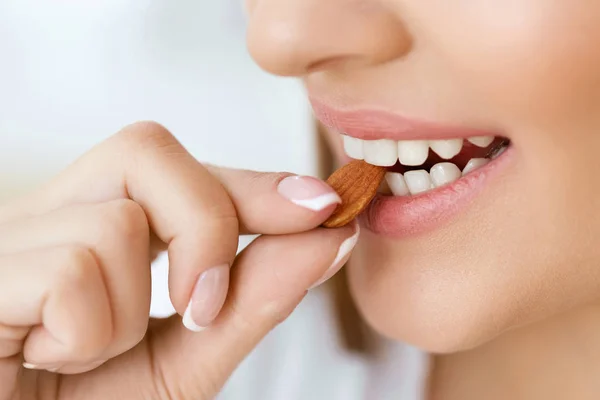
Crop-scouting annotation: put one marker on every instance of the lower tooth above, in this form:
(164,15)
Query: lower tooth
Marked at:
(444,173)
(384,187)
(498,152)
(473,164)
(397,184)
(418,181)
(497,149)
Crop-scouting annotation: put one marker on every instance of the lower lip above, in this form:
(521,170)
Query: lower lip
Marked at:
(400,216)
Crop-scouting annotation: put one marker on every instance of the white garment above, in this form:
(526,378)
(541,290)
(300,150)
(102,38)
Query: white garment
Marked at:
(302,359)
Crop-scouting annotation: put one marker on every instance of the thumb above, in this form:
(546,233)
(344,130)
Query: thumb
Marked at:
(269,279)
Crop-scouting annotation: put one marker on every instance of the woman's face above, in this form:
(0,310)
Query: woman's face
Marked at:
(512,242)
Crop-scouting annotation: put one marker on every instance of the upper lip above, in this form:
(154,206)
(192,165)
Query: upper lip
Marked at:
(372,124)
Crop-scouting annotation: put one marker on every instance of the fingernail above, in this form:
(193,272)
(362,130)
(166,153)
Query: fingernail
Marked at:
(207,299)
(49,367)
(342,256)
(308,192)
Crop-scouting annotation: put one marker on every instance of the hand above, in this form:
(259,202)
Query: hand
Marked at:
(75,271)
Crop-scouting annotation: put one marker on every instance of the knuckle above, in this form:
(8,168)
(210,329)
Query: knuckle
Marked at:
(220,221)
(145,135)
(277,311)
(78,264)
(268,314)
(240,320)
(126,217)
(215,218)
(262,179)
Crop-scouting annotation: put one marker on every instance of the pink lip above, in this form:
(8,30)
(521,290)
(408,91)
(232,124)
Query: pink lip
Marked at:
(377,124)
(399,216)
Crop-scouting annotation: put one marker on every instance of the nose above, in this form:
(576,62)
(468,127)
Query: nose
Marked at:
(297,37)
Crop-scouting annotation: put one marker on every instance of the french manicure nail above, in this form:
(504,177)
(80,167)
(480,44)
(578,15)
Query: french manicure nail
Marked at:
(342,256)
(53,367)
(207,299)
(308,192)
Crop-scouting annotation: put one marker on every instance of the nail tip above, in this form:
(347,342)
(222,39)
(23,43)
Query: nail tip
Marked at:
(29,365)
(347,246)
(188,321)
(344,251)
(319,203)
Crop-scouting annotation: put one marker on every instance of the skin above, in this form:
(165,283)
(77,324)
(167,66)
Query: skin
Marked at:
(75,271)
(506,295)
(513,283)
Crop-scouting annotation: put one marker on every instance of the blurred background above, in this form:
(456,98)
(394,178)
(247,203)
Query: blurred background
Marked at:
(73,73)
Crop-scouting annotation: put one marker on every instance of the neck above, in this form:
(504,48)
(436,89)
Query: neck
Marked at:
(554,359)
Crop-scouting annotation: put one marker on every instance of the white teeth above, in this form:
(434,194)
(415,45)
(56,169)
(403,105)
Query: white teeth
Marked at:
(353,147)
(413,152)
(444,173)
(386,152)
(418,181)
(384,187)
(397,184)
(473,164)
(481,141)
(381,152)
(446,148)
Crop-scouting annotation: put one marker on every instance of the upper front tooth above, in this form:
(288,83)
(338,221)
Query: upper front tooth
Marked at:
(418,181)
(397,184)
(353,147)
(413,152)
(444,173)
(481,141)
(381,152)
(446,148)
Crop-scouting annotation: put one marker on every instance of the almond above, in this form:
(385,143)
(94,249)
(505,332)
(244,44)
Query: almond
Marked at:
(356,183)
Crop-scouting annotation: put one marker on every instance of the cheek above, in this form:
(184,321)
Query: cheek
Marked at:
(487,272)
(526,61)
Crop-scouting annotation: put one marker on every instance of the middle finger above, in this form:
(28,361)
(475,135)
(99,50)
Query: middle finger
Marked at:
(117,233)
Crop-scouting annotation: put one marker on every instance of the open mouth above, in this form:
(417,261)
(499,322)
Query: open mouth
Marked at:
(434,171)
(419,166)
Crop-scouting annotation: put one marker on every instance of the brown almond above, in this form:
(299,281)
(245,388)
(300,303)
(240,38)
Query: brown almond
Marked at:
(356,183)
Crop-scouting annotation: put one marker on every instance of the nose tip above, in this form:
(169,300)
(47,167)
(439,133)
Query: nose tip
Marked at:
(277,47)
(295,41)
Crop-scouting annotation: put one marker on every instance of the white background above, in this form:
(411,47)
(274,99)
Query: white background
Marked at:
(74,72)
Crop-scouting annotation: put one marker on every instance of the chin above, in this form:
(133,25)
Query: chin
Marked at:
(452,290)
(425,301)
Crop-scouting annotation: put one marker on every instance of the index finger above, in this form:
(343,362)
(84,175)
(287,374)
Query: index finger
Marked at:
(188,208)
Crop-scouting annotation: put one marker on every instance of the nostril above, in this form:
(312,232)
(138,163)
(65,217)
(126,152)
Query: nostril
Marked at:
(328,63)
